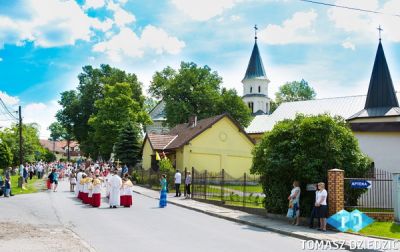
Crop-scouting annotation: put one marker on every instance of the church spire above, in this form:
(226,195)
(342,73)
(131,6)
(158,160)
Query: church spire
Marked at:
(381,91)
(255,69)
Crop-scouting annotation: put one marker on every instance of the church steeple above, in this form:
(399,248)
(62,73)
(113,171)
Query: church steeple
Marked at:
(255,68)
(255,83)
(381,91)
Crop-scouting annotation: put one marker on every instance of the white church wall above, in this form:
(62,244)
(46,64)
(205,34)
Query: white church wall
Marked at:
(382,147)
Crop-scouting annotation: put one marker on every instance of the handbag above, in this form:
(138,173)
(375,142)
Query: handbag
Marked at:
(290,213)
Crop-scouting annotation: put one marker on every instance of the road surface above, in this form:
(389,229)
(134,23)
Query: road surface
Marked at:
(144,227)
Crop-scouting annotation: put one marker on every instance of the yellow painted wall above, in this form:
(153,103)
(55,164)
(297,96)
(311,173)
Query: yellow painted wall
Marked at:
(146,156)
(222,146)
(256,137)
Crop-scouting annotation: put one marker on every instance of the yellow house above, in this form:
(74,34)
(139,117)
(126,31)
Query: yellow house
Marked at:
(210,144)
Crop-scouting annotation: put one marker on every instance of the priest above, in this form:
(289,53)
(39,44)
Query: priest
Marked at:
(115,183)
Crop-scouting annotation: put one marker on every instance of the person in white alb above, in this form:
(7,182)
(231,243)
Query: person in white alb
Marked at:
(178,182)
(115,186)
(320,204)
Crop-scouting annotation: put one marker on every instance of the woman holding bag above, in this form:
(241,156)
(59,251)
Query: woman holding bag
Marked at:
(294,203)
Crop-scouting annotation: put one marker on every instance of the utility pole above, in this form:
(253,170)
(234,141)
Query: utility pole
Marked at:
(20,136)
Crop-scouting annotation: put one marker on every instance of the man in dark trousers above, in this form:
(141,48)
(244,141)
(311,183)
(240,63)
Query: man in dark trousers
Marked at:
(178,181)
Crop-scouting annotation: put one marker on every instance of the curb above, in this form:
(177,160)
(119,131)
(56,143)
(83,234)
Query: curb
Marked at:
(279,231)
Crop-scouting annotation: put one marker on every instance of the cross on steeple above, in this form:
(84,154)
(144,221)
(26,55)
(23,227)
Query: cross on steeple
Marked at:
(380,31)
(255,32)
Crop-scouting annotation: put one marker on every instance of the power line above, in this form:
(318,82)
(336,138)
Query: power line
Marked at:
(3,105)
(350,8)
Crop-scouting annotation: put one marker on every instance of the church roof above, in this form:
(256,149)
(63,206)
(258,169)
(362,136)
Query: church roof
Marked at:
(345,107)
(255,69)
(381,92)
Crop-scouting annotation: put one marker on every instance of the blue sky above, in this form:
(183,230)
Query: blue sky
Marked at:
(43,47)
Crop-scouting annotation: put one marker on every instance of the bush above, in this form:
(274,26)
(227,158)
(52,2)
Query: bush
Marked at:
(304,149)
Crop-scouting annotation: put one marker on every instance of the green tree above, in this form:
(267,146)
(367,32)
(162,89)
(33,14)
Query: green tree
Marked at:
(115,109)
(78,106)
(194,90)
(48,156)
(31,147)
(5,155)
(295,91)
(149,104)
(304,149)
(57,132)
(128,145)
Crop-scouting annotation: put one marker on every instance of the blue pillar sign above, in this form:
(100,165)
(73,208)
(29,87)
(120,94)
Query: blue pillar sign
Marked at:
(360,184)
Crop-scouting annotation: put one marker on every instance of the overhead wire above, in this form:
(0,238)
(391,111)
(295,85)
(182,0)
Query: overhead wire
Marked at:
(350,8)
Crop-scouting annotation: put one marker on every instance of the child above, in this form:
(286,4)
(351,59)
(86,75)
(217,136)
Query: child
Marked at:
(126,192)
(72,181)
(88,191)
(7,187)
(84,193)
(96,192)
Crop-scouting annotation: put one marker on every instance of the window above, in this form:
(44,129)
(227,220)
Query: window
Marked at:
(259,89)
(251,89)
(251,106)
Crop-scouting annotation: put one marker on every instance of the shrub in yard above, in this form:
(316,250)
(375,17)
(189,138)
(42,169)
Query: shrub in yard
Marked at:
(304,149)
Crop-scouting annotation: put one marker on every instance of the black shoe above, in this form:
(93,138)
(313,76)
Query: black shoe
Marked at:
(114,206)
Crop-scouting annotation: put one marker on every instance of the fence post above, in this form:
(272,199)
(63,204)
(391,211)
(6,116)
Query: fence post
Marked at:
(335,190)
(222,186)
(205,184)
(244,190)
(184,183)
(192,185)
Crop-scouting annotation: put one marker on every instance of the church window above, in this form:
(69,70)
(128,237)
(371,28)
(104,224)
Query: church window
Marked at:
(259,89)
(251,89)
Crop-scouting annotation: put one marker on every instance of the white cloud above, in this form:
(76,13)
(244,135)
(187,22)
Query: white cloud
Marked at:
(363,25)
(127,43)
(8,99)
(103,26)
(1,59)
(121,16)
(297,29)
(51,23)
(42,114)
(202,10)
(348,45)
(94,4)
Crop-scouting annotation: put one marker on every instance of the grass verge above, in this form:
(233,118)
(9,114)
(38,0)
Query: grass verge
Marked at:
(382,229)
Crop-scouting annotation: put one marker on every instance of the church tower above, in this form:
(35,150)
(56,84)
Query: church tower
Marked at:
(255,83)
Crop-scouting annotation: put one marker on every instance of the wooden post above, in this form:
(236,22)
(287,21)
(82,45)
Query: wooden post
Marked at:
(192,185)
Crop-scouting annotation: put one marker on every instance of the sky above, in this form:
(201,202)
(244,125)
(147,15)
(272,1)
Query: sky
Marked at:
(45,43)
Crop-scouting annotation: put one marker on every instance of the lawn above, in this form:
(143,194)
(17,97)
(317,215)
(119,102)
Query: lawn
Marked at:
(31,187)
(382,229)
(249,188)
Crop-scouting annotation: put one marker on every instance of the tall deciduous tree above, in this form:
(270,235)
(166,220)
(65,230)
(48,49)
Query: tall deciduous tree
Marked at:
(79,105)
(128,145)
(116,108)
(57,132)
(295,91)
(194,90)
(304,149)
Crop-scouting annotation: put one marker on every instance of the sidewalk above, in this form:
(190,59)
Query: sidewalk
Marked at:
(277,226)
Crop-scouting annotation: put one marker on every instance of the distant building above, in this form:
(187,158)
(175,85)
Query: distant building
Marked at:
(157,115)
(210,144)
(374,118)
(60,148)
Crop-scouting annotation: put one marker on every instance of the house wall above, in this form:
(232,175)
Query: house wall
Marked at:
(257,137)
(220,147)
(382,147)
(146,156)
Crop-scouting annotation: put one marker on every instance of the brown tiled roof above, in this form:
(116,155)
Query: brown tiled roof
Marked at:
(183,133)
(59,145)
(186,133)
(159,142)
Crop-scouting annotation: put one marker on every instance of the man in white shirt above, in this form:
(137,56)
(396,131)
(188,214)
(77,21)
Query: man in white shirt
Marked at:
(115,186)
(178,181)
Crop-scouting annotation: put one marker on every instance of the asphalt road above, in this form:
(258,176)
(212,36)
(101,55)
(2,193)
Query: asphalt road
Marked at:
(144,227)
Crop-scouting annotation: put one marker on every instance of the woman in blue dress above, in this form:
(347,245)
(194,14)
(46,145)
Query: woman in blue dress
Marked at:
(163,194)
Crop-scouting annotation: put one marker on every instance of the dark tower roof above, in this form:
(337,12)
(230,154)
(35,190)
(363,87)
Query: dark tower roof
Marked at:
(381,92)
(255,68)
